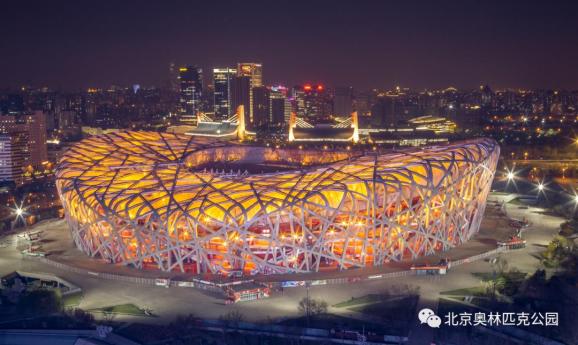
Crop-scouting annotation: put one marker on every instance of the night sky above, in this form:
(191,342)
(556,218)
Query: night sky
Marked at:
(366,44)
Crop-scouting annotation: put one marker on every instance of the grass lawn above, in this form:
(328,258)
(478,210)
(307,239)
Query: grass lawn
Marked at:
(394,311)
(446,305)
(72,300)
(512,275)
(473,291)
(517,201)
(372,298)
(500,193)
(124,309)
(397,311)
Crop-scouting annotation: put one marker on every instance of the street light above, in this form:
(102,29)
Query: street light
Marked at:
(540,187)
(510,175)
(19,212)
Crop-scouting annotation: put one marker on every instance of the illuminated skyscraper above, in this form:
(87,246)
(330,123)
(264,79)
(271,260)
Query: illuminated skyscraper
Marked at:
(312,102)
(174,78)
(13,153)
(279,106)
(242,94)
(261,115)
(254,71)
(223,79)
(34,125)
(191,90)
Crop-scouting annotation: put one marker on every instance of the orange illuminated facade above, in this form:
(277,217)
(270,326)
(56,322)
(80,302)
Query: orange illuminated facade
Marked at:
(180,203)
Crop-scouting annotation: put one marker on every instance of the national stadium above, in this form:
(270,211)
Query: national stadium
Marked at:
(183,203)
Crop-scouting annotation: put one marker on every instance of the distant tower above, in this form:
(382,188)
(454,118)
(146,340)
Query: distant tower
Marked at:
(174,78)
(255,73)
(13,153)
(252,70)
(313,103)
(241,92)
(191,90)
(279,106)
(261,111)
(355,125)
(223,79)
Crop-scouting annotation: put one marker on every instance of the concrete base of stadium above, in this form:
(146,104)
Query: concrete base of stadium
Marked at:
(56,242)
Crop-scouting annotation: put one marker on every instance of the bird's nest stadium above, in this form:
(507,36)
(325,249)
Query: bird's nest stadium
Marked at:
(189,204)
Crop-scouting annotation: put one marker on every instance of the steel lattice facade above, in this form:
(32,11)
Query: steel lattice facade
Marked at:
(137,198)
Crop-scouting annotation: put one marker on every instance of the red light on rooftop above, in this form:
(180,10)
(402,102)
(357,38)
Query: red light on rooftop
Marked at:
(307,87)
(319,87)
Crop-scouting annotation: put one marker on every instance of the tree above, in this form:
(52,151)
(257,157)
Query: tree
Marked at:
(303,305)
(494,285)
(319,307)
(315,307)
(233,318)
(81,317)
(41,301)
(182,328)
(559,250)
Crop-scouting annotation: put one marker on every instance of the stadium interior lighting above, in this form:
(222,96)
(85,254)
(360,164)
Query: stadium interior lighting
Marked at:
(180,203)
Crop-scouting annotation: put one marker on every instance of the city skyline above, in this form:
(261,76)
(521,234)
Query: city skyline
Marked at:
(364,45)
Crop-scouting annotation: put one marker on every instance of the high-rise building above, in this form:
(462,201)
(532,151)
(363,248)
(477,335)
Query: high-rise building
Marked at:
(279,106)
(223,79)
(34,125)
(312,102)
(208,99)
(13,153)
(261,114)
(173,78)
(253,70)
(191,90)
(67,120)
(342,101)
(255,73)
(487,95)
(242,94)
